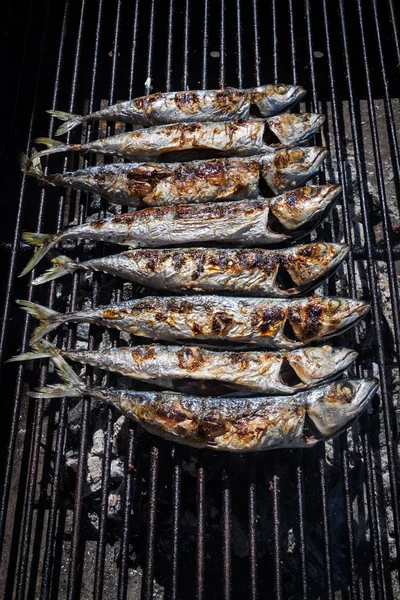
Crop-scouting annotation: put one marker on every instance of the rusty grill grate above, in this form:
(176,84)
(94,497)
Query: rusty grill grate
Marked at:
(322,523)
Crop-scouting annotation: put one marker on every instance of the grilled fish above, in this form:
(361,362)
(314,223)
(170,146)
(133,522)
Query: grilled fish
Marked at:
(277,324)
(165,184)
(273,273)
(192,369)
(248,222)
(199,105)
(233,424)
(199,140)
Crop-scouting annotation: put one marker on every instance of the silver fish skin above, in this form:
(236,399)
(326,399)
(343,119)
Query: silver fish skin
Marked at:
(165,184)
(255,272)
(267,322)
(245,222)
(193,369)
(231,424)
(186,141)
(189,106)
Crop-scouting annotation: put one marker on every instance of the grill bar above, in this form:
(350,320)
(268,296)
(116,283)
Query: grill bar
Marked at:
(226,528)
(395,29)
(201,510)
(126,525)
(148,575)
(251,494)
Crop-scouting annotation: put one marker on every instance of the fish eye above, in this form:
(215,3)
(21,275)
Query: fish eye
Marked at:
(281,89)
(333,306)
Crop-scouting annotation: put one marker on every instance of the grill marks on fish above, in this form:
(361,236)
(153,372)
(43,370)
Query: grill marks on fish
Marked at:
(253,321)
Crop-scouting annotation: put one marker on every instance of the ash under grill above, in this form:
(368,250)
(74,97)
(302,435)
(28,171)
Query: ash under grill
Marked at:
(93,506)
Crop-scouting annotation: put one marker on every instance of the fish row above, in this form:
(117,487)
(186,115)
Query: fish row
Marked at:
(233,424)
(263,221)
(245,154)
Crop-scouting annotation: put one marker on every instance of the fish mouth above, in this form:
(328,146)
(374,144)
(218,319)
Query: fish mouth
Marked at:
(316,120)
(367,389)
(328,197)
(297,94)
(356,310)
(320,156)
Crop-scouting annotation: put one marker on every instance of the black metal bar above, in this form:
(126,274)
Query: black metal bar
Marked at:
(148,573)
(276,528)
(185,80)
(239,45)
(226,529)
(395,29)
(222,47)
(176,508)
(133,51)
(256,44)
(169,50)
(201,515)
(274,41)
(252,518)
(128,502)
(149,84)
(204,78)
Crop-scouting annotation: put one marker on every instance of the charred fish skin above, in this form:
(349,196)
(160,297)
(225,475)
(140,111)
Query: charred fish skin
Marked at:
(186,140)
(231,424)
(188,106)
(165,184)
(265,322)
(254,272)
(205,371)
(244,222)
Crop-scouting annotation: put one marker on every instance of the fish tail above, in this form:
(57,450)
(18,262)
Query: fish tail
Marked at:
(41,349)
(71,386)
(49,318)
(71,121)
(43,241)
(54,146)
(31,166)
(62,266)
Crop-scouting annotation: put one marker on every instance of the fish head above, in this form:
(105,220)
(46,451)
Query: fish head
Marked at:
(320,317)
(305,206)
(291,167)
(316,363)
(291,129)
(311,262)
(271,99)
(333,407)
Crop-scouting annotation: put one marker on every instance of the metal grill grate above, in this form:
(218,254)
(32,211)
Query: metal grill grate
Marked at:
(321,523)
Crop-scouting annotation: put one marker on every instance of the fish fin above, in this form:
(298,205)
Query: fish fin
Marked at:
(52,146)
(72,385)
(49,318)
(43,241)
(30,166)
(71,121)
(62,266)
(41,349)
(48,142)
